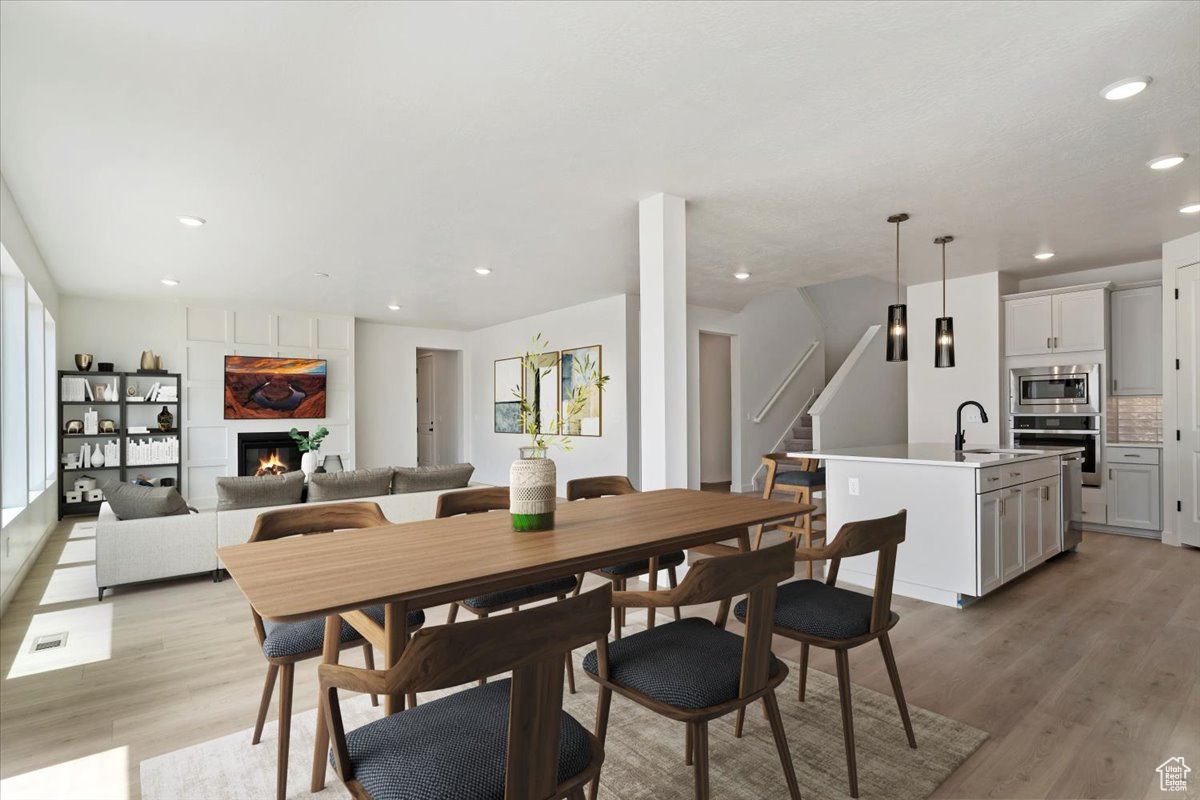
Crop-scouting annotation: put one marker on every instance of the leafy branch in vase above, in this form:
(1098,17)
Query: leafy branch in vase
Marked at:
(586,378)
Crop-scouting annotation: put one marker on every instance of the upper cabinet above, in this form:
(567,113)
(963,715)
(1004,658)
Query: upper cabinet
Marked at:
(1137,341)
(1070,321)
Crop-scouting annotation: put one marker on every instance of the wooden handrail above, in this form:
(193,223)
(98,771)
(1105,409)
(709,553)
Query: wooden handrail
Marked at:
(762,414)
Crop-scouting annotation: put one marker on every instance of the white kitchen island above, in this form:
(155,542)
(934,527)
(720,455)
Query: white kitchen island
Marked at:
(976,518)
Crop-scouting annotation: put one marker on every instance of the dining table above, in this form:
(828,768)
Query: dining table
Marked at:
(417,565)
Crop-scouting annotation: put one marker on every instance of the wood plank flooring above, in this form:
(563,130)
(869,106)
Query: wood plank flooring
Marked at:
(1086,673)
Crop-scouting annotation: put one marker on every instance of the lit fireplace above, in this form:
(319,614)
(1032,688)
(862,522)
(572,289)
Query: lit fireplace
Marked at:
(271,465)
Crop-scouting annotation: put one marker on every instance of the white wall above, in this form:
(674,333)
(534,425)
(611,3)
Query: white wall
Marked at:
(716,397)
(934,394)
(23,538)
(603,322)
(386,401)
(1119,274)
(848,307)
(866,402)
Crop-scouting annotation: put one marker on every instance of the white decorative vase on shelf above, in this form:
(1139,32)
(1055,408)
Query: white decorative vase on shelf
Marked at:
(532,491)
(308,463)
(97,458)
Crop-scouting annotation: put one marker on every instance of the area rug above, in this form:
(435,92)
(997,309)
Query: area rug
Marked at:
(644,752)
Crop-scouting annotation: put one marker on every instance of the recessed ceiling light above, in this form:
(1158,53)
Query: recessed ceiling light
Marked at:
(741,275)
(483,270)
(1123,89)
(1042,256)
(190,221)
(1167,161)
(320,274)
(1192,208)
(393,306)
(170,282)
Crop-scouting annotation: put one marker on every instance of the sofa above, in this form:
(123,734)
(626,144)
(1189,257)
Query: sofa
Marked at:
(137,550)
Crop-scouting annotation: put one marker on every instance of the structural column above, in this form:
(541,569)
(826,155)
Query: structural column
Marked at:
(663,342)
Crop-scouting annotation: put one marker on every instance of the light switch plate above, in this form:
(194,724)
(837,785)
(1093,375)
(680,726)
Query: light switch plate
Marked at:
(853,487)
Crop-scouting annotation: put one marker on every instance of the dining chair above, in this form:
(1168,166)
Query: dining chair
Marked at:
(823,615)
(495,498)
(693,671)
(800,484)
(507,740)
(284,644)
(620,574)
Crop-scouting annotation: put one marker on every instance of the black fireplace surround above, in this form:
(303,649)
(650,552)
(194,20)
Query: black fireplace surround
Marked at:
(254,449)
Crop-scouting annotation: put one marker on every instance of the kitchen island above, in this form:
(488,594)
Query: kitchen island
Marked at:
(977,518)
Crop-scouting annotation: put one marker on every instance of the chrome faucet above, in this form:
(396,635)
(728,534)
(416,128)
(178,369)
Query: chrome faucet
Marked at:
(960,438)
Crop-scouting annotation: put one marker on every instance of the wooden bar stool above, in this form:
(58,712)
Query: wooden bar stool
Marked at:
(799,485)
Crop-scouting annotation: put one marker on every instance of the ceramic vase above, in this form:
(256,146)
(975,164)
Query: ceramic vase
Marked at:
(532,491)
(308,463)
(166,420)
(97,457)
(147,361)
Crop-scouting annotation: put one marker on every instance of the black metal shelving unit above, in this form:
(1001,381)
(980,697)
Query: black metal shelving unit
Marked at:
(71,441)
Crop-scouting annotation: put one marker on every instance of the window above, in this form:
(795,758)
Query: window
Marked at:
(28,392)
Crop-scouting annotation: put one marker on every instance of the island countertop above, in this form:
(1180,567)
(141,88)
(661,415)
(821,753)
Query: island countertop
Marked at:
(938,455)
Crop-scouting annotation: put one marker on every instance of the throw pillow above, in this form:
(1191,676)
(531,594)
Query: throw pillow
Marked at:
(255,491)
(346,485)
(128,501)
(430,479)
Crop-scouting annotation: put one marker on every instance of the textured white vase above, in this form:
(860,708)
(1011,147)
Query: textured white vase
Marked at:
(308,463)
(532,493)
(97,458)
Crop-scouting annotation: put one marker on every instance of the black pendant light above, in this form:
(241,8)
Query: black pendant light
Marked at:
(897,321)
(943,330)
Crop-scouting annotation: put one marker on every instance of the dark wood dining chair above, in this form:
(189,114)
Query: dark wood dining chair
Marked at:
(693,671)
(495,498)
(507,740)
(822,615)
(799,484)
(286,644)
(620,574)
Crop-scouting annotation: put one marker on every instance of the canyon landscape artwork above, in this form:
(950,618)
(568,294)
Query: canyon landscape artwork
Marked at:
(274,388)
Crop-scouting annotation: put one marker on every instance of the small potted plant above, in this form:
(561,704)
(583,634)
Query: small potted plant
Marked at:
(309,445)
(533,478)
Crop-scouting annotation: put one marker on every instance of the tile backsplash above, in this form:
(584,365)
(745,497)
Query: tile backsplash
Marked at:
(1134,419)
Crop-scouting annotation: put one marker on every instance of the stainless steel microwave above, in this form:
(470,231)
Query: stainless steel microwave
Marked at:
(1071,389)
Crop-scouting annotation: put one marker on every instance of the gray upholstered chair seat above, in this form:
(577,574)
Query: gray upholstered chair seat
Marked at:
(818,609)
(453,748)
(687,664)
(286,639)
(643,566)
(799,477)
(509,596)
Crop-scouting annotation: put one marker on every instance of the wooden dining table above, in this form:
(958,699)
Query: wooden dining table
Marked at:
(428,563)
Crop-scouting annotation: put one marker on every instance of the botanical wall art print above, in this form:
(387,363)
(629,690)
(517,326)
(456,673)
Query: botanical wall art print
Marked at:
(274,388)
(576,367)
(541,388)
(506,395)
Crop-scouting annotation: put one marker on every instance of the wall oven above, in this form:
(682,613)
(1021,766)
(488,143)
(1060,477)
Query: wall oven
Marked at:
(1073,389)
(1036,431)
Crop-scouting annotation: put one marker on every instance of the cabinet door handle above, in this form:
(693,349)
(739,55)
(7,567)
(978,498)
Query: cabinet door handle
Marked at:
(1110,474)
(1048,345)
(1056,341)
(993,478)
(1014,474)
(1131,455)
(1045,492)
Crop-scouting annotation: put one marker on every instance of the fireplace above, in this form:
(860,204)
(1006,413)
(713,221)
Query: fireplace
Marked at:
(267,453)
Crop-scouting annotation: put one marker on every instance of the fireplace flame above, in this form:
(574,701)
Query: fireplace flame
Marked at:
(271,465)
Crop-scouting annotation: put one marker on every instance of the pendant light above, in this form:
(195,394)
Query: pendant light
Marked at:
(943,331)
(897,321)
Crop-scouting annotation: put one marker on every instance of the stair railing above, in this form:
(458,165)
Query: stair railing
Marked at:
(762,414)
(787,434)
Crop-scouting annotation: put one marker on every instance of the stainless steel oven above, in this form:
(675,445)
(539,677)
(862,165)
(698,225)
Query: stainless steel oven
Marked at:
(1034,431)
(1071,389)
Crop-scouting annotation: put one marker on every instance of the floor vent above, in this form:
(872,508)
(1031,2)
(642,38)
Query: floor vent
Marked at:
(49,642)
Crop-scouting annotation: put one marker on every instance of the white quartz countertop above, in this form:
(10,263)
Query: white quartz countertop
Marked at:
(939,455)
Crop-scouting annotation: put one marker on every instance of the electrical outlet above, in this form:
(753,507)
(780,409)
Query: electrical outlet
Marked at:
(853,487)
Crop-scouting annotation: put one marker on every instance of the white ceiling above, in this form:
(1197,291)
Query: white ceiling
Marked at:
(397,146)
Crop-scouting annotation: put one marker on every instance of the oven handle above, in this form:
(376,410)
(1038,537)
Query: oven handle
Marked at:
(1018,431)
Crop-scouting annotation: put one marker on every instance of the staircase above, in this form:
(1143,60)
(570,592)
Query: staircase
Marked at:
(801,439)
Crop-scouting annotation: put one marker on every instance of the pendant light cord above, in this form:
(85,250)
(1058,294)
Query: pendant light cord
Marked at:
(943,277)
(898,263)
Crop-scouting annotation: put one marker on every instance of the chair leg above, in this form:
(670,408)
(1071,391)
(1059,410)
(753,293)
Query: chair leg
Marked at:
(741,718)
(603,701)
(889,659)
(369,662)
(673,581)
(700,735)
(265,703)
(803,669)
(785,756)
(577,794)
(570,668)
(453,615)
(624,587)
(286,674)
(483,680)
(843,674)
(689,747)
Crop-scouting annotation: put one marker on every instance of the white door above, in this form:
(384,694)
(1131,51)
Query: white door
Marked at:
(425,406)
(1133,496)
(1012,561)
(1187,331)
(1027,326)
(987,541)
(1079,321)
(1137,341)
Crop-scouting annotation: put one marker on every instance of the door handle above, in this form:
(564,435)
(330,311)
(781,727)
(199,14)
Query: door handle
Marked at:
(1048,345)
(1045,492)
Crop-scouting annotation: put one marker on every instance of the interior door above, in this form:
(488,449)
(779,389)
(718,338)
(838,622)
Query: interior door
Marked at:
(1187,331)
(425,405)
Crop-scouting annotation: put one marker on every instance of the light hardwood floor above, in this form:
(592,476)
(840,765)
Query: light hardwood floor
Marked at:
(1086,673)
